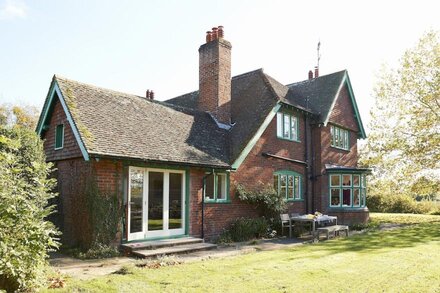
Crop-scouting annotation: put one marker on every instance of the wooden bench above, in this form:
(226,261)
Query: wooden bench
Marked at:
(334,229)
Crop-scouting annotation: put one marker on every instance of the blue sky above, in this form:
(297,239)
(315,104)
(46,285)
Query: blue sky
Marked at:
(132,46)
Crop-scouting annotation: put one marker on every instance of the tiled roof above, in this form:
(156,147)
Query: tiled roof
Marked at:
(317,94)
(127,126)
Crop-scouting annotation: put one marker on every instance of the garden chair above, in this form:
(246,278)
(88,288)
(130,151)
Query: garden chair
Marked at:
(285,223)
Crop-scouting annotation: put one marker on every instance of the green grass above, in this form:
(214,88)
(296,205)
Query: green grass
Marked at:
(400,260)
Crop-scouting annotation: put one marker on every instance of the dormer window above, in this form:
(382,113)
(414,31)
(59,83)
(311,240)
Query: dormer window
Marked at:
(59,136)
(340,138)
(287,126)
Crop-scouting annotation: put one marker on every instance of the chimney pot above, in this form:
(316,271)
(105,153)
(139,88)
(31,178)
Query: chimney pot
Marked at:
(208,36)
(316,71)
(220,32)
(151,95)
(214,34)
(310,74)
(147,94)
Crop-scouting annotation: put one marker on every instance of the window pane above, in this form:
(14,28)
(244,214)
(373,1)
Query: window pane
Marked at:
(136,200)
(290,187)
(294,125)
(332,135)
(297,189)
(356,180)
(155,201)
(356,197)
(221,186)
(346,180)
(209,187)
(336,130)
(346,197)
(364,199)
(280,124)
(275,182)
(286,133)
(175,202)
(335,180)
(59,136)
(335,198)
(283,184)
(346,141)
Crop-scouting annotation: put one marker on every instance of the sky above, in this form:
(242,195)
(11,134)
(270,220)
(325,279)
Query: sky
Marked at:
(132,46)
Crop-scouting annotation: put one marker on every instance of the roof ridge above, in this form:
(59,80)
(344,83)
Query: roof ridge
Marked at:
(268,83)
(248,73)
(59,77)
(314,79)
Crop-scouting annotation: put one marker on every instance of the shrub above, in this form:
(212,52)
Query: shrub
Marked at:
(387,203)
(267,200)
(96,251)
(243,229)
(25,234)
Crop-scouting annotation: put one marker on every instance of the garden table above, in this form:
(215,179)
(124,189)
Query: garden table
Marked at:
(313,220)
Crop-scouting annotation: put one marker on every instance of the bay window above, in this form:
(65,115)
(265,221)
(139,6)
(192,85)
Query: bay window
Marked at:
(347,190)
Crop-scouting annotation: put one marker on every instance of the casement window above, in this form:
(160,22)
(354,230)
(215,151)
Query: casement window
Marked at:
(288,184)
(347,190)
(216,187)
(287,126)
(340,138)
(59,136)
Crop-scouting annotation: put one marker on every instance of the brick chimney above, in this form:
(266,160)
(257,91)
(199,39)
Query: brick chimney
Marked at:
(310,74)
(316,71)
(215,76)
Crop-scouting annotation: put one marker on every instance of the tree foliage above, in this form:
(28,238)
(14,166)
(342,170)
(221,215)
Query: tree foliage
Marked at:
(404,142)
(25,190)
(22,116)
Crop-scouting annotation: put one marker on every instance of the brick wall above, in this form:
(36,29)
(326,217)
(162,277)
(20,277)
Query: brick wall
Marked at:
(70,148)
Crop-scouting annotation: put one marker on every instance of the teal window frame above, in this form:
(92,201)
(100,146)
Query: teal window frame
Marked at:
(339,138)
(281,126)
(215,198)
(59,136)
(360,187)
(296,186)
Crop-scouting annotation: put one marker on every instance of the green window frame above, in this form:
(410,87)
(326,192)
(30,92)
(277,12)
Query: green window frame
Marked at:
(287,126)
(289,184)
(59,136)
(216,188)
(340,138)
(347,190)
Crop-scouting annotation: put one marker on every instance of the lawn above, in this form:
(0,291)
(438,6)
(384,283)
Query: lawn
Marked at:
(399,260)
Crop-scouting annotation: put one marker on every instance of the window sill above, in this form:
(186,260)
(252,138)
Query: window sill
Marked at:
(293,200)
(57,149)
(348,209)
(340,149)
(217,201)
(287,139)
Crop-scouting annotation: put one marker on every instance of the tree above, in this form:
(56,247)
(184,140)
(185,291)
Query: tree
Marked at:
(25,190)
(404,143)
(22,116)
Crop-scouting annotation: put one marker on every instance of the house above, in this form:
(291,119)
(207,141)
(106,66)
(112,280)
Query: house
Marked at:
(173,166)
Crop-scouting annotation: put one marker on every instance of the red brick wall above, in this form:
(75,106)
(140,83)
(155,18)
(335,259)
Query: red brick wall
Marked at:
(70,148)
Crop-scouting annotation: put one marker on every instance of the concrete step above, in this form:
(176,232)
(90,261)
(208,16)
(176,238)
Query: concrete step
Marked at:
(180,249)
(155,244)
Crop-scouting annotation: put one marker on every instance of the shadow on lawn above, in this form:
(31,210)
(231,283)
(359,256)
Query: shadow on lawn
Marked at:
(381,241)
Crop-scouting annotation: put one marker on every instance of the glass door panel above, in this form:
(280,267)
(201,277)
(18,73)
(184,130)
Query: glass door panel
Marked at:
(155,201)
(175,201)
(135,206)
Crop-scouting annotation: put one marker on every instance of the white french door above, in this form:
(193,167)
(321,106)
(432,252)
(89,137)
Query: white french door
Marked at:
(156,200)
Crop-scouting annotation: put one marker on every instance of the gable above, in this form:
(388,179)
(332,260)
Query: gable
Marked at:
(56,103)
(346,102)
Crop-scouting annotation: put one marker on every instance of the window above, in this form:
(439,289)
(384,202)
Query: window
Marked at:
(288,184)
(347,190)
(340,138)
(217,187)
(59,137)
(287,126)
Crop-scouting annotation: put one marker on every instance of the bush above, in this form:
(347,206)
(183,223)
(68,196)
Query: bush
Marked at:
(243,229)
(269,203)
(386,203)
(25,234)
(96,251)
